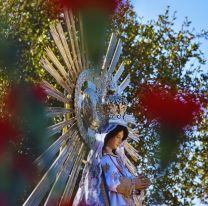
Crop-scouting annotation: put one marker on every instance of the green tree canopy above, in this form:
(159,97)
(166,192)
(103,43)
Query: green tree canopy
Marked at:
(156,54)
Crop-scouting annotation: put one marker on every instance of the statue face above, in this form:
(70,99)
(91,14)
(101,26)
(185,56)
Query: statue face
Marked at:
(116,140)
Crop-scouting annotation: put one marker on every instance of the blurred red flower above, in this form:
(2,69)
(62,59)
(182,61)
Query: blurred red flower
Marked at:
(172,110)
(11,100)
(169,107)
(38,92)
(23,165)
(17,94)
(8,132)
(4,199)
(82,5)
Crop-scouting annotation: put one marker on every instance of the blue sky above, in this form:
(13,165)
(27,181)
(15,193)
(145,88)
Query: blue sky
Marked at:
(196,11)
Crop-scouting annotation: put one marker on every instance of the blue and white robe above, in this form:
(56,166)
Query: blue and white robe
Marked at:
(113,178)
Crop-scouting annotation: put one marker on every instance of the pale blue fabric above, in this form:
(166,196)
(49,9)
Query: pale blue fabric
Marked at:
(112,179)
(89,188)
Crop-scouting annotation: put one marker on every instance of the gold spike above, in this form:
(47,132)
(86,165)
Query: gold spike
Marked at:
(134,137)
(77,172)
(130,166)
(137,200)
(66,197)
(55,192)
(124,84)
(115,57)
(82,41)
(84,161)
(110,50)
(47,65)
(118,73)
(75,37)
(54,59)
(43,159)
(52,91)
(133,130)
(59,126)
(66,47)
(61,48)
(74,173)
(57,111)
(67,116)
(132,152)
(131,147)
(43,186)
(66,14)
(135,134)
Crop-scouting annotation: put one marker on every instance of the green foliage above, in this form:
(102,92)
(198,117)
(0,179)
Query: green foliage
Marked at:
(24,25)
(153,53)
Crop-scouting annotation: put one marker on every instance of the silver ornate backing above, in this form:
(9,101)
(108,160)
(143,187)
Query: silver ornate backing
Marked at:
(84,78)
(97,103)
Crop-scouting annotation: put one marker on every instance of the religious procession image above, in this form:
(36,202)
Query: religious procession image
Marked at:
(99,108)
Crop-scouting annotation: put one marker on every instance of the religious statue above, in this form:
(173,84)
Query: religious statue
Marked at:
(95,120)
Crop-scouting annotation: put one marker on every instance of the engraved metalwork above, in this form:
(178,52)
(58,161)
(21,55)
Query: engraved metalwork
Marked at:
(90,103)
(81,99)
(125,186)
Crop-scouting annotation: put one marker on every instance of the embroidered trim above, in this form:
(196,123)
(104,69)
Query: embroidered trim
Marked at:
(106,167)
(115,175)
(109,153)
(137,200)
(125,186)
(128,200)
(133,189)
(120,169)
(104,194)
(120,163)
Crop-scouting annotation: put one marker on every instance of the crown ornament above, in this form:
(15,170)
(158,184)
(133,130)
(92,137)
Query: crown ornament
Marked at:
(98,102)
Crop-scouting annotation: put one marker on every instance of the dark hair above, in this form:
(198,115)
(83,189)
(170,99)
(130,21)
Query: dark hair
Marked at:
(115,131)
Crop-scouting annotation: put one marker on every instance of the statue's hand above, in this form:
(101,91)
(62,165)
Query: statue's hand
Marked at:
(142,182)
